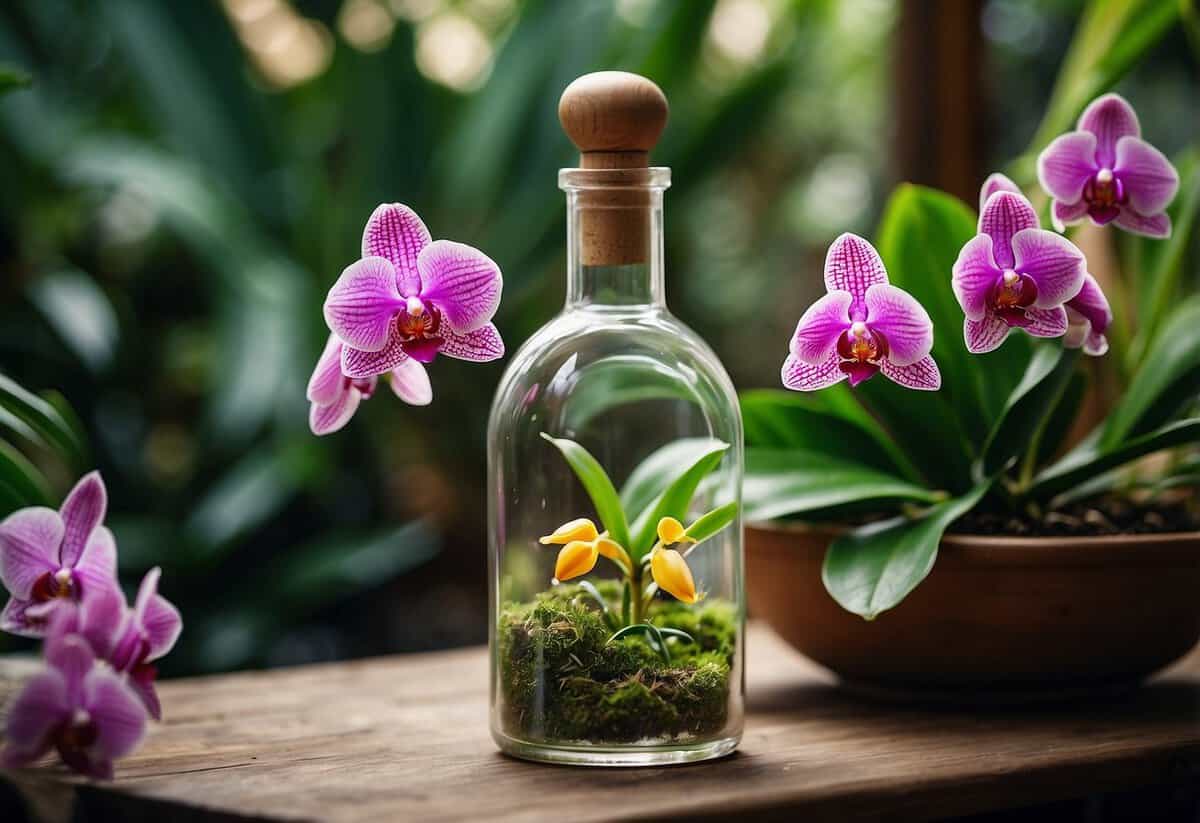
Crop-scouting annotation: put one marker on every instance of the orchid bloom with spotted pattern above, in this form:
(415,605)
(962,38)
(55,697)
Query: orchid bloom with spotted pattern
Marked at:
(863,326)
(1014,274)
(1106,172)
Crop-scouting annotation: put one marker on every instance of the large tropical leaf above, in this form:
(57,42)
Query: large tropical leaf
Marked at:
(785,483)
(871,569)
(674,500)
(41,417)
(652,475)
(1029,407)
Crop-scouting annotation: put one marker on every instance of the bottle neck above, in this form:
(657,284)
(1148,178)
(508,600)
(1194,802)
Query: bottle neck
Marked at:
(615,248)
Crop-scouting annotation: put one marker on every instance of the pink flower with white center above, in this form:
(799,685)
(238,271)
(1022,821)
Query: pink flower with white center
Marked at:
(1108,173)
(1014,274)
(127,639)
(410,297)
(334,397)
(47,556)
(864,325)
(85,711)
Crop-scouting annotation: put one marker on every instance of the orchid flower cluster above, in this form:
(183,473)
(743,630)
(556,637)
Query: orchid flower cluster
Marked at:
(984,433)
(93,697)
(643,537)
(408,299)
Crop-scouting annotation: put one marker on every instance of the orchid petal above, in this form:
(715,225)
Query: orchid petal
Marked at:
(671,531)
(478,346)
(1110,118)
(1067,214)
(1046,322)
(39,708)
(902,320)
(97,567)
(98,618)
(1092,305)
(463,282)
(1150,180)
(1081,335)
(118,714)
(973,276)
(29,547)
(81,513)
(358,364)
(670,571)
(1056,266)
(410,382)
(579,529)
(326,382)
(853,265)
(143,686)
(1158,225)
(14,620)
(985,334)
(361,304)
(994,183)
(1003,216)
(73,658)
(395,233)
(922,375)
(575,559)
(1066,165)
(161,625)
(331,418)
(820,326)
(800,376)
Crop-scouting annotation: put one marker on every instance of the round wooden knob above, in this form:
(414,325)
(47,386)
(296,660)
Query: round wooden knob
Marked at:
(614,118)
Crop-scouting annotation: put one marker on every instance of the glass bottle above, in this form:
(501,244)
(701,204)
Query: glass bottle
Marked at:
(623,662)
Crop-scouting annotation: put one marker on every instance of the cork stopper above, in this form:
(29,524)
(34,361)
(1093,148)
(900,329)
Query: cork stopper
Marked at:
(614,118)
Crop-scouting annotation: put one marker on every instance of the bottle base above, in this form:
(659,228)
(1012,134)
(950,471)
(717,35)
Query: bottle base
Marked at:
(587,754)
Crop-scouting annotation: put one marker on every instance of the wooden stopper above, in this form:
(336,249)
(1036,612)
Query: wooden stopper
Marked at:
(614,118)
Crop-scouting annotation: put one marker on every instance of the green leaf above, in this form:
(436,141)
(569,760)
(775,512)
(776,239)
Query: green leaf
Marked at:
(80,313)
(23,480)
(781,483)
(626,602)
(678,634)
(709,524)
(674,500)
(1029,406)
(1090,459)
(1167,380)
(594,593)
(42,417)
(830,422)
(12,79)
(871,569)
(598,486)
(648,479)
(1111,37)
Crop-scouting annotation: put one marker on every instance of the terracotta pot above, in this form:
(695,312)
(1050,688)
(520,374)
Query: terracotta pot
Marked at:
(995,613)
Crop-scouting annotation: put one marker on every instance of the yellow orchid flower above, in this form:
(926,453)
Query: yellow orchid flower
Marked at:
(671,531)
(580,529)
(670,571)
(575,559)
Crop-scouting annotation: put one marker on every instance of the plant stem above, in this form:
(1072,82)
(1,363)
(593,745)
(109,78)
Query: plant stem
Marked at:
(635,582)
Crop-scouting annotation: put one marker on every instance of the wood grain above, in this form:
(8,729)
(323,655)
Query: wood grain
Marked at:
(406,738)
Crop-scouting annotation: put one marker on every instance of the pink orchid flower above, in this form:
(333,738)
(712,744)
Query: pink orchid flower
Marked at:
(47,556)
(864,325)
(129,640)
(1014,274)
(1088,313)
(85,711)
(410,297)
(334,397)
(1105,171)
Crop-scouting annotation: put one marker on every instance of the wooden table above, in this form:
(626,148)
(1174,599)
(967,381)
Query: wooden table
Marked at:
(406,738)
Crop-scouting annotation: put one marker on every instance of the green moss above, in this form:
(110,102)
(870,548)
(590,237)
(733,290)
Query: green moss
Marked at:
(560,679)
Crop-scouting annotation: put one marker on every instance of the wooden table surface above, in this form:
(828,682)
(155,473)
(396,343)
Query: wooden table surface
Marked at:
(406,738)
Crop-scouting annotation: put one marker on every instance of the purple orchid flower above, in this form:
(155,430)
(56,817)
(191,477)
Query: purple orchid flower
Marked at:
(47,556)
(85,711)
(1105,171)
(1014,274)
(129,640)
(1088,317)
(334,397)
(410,297)
(864,325)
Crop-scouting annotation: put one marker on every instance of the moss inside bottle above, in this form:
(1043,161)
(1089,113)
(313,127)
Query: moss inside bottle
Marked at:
(614,490)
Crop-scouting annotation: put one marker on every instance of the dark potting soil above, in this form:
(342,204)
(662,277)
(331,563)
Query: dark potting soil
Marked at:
(1101,516)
